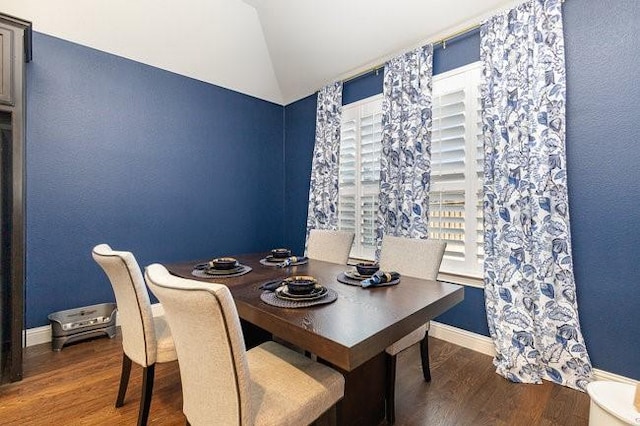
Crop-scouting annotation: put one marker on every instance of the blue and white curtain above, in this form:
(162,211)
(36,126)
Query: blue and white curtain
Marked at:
(530,291)
(323,193)
(406,146)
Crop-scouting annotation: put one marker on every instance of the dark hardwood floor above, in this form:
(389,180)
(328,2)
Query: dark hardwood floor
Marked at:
(78,387)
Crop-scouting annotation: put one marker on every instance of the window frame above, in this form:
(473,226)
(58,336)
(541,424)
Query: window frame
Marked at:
(358,251)
(471,268)
(473,279)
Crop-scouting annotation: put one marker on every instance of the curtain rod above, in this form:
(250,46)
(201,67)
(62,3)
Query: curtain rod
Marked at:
(442,41)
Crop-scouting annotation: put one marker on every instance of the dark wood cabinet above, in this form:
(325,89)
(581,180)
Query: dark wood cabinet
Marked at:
(15,50)
(6,64)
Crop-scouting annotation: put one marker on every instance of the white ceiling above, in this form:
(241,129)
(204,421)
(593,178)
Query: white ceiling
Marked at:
(277,50)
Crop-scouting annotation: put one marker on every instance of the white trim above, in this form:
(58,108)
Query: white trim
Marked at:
(461,279)
(464,338)
(612,377)
(484,344)
(38,335)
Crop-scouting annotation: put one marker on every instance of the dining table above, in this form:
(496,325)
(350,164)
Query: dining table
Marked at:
(350,334)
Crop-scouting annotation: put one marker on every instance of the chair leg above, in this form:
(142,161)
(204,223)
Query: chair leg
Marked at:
(390,385)
(124,380)
(147,390)
(424,356)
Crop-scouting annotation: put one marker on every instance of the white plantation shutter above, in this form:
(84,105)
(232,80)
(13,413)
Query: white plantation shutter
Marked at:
(347,175)
(480,179)
(359,172)
(455,200)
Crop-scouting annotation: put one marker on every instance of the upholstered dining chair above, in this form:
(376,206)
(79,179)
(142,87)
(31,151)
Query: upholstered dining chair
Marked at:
(222,382)
(329,246)
(145,339)
(420,258)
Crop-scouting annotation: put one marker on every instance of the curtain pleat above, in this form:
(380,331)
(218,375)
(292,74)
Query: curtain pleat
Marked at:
(530,291)
(406,146)
(323,192)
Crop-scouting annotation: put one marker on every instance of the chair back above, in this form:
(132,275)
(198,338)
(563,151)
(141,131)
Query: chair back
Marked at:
(211,353)
(412,257)
(134,308)
(329,246)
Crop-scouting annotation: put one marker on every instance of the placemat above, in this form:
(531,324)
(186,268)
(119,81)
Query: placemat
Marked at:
(350,281)
(201,274)
(270,298)
(265,262)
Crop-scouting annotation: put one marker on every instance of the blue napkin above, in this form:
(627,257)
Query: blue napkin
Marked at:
(271,285)
(380,277)
(292,259)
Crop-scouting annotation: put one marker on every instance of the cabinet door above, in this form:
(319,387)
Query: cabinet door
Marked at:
(6,65)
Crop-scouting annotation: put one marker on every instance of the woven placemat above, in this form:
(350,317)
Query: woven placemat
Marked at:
(270,298)
(265,262)
(244,269)
(350,281)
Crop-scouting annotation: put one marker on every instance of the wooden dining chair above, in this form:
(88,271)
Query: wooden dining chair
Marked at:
(330,246)
(412,257)
(145,339)
(222,382)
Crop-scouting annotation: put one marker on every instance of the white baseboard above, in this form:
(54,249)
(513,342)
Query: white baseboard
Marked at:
(484,344)
(457,336)
(39,335)
(464,338)
(612,377)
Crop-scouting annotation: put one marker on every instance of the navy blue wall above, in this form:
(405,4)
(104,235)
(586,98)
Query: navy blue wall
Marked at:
(603,152)
(603,155)
(300,129)
(143,159)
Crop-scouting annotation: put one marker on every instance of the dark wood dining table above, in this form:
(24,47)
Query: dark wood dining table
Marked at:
(349,334)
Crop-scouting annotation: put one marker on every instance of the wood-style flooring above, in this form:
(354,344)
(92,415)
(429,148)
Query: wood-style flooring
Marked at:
(78,386)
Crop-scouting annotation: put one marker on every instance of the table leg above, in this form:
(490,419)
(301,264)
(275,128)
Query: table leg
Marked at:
(364,394)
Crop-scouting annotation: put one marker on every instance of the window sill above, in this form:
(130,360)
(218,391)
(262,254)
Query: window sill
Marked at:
(461,279)
(468,281)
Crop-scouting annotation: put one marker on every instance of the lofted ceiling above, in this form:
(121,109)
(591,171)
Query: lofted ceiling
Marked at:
(276,50)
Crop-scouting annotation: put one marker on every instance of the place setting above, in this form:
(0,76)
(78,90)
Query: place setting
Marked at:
(368,274)
(282,257)
(220,267)
(298,291)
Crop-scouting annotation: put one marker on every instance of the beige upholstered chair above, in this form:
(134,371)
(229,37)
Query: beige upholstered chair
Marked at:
(145,339)
(414,258)
(222,382)
(329,246)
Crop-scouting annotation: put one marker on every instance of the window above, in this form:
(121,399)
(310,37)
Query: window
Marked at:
(455,202)
(359,173)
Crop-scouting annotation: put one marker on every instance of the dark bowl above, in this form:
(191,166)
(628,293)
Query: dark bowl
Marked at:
(367,268)
(301,284)
(223,263)
(280,253)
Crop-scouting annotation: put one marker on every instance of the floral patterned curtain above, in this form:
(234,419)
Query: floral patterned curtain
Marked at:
(323,193)
(530,292)
(406,146)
